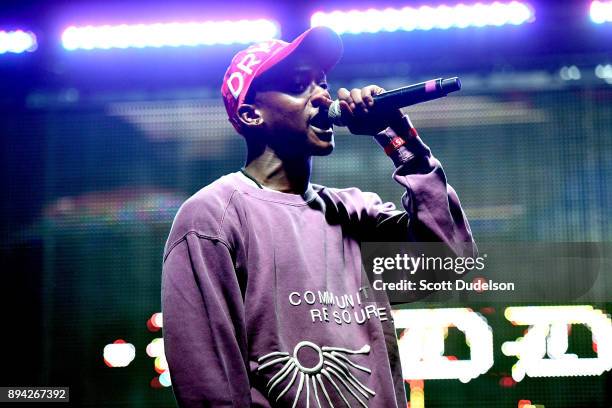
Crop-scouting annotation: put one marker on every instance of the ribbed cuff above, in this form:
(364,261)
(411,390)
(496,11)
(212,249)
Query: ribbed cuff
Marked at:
(402,143)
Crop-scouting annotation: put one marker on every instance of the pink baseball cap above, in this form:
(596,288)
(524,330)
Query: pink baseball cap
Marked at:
(321,42)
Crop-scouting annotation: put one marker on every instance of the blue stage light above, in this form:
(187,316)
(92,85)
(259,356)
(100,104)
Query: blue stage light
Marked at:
(601,12)
(168,34)
(17,41)
(425,17)
(604,72)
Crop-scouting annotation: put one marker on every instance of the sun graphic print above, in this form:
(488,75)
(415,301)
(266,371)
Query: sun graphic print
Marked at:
(334,368)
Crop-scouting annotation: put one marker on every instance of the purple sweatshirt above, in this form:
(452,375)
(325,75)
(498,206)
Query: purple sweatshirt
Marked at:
(262,292)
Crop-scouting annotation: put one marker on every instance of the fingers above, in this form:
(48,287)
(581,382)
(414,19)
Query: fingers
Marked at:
(359,100)
(354,107)
(352,98)
(357,104)
(345,109)
(321,99)
(368,93)
(344,96)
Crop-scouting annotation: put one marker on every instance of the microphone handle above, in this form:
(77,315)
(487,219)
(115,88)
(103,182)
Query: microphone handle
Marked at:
(417,93)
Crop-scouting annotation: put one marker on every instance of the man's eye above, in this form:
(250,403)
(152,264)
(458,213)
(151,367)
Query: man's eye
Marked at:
(324,85)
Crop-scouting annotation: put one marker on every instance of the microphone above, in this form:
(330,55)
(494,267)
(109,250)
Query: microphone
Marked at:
(401,97)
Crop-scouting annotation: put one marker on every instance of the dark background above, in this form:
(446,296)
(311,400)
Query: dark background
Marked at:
(100,148)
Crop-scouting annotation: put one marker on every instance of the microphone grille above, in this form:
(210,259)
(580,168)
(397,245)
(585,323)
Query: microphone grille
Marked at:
(334,114)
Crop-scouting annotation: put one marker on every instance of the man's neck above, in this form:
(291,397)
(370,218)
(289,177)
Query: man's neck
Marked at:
(284,175)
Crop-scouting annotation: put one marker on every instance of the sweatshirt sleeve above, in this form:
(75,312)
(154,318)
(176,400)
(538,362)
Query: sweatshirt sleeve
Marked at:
(433,211)
(204,328)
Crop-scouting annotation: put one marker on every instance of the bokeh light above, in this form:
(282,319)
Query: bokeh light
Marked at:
(601,12)
(119,354)
(168,34)
(425,17)
(17,41)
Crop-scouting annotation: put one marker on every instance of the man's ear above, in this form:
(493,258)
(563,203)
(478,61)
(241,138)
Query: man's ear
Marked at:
(249,116)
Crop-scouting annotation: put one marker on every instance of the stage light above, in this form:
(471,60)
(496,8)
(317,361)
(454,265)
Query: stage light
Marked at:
(601,12)
(425,17)
(155,383)
(155,348)
(571,73)
(160,364)
(548,336)
(507,382)
(119,354)
(421,346)
(604,72)
(17,41)
(417,398)
(164,379)
(168,34)
(155,322)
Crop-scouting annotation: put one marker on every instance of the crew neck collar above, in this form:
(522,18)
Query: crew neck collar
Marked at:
(249,187)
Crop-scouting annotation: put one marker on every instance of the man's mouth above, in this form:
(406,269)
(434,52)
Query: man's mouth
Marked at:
(321,126)
(323,134)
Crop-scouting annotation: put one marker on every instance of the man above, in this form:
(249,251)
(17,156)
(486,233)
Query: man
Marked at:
(262,292)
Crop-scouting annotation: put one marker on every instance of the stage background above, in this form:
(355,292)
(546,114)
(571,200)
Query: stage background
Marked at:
(97,157)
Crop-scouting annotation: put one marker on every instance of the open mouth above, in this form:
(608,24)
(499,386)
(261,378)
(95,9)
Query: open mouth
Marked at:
(323,134)
(321,126)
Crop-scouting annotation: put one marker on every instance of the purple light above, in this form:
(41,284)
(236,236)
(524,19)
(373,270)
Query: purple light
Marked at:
(601,12)
(168,34)
(17,41)
(425,17)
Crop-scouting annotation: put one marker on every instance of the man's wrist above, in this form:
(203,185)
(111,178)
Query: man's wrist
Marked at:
(396,135)
(402,126)
(401,142)
(394,146)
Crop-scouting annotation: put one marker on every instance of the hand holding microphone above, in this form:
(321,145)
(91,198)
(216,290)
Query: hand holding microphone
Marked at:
(369,110)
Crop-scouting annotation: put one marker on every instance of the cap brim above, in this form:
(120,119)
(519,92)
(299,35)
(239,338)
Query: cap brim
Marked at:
(321,45)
